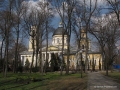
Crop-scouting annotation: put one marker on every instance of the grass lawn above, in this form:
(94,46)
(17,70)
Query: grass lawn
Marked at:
(115,75)
(35,81)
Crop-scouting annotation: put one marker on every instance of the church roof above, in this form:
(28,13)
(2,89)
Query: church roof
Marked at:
(26,53)
(73,51)
(93,52)
(51,48)
(60,30)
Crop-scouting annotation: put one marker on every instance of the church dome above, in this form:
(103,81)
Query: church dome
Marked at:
(60,30)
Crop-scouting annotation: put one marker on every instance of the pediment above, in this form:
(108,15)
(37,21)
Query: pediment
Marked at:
(52,48)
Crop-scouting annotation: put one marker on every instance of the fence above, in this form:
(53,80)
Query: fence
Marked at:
(116,66)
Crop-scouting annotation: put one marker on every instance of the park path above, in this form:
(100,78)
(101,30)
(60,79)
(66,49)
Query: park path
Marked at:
(97,81)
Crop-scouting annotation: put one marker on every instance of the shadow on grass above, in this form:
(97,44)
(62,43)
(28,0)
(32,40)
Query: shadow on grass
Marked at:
(15,86)
(65,82)
(7,82)
(49,81)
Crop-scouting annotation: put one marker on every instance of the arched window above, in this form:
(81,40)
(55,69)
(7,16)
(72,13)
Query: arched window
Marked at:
(82,35)
(83,47)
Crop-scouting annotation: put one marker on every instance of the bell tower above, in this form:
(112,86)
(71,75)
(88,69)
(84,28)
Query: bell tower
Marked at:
(83,43)
(32,39)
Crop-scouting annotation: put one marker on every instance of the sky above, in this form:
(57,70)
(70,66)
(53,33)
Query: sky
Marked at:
(56,19)
(34,3)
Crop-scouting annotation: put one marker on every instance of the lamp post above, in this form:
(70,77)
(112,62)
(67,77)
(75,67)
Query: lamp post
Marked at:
(81,61)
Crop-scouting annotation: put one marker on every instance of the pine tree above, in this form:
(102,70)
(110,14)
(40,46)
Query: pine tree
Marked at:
(52,63)
(27,64)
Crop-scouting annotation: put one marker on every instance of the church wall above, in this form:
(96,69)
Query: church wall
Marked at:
(29,57)
(30,45)
(96,58)
(57,41)
(72,61)
(73,58)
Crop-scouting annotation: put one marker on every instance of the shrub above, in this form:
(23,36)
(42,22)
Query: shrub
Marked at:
(20,69)
(35,69)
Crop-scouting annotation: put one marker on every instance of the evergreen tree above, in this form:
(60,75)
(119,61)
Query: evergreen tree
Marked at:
(20,67)
(27,64)
(54,63)
(57,63)
(1,64)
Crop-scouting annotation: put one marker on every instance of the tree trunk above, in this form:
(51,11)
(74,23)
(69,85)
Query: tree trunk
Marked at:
(6,53)
(33,54)
(68,53)
(46,61)
(40,55)
(16,51)
(86,52)
(106,67)
(62,53)
(2,53)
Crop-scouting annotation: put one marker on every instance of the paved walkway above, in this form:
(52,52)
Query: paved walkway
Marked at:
(97,81)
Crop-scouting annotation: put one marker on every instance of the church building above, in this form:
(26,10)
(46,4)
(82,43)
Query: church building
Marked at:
(94,58)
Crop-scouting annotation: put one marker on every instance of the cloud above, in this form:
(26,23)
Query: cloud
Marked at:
(99,2)
(32,4)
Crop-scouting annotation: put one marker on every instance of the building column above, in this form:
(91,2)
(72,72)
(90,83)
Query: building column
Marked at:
(42,56)
(45,56)
(24,60)
(49,56)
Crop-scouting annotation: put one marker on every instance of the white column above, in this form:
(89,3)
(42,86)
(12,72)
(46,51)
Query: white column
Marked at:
(42,56)
(24,60)
(49,56)
(45,56)
(58,53)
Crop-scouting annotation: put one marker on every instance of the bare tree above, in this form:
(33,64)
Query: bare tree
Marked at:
(7,18)
(39,19)
(112,38)
(114,6)
(88,11)
(47,19)
(31,29)
(18,28)
(66,16)
(106,31)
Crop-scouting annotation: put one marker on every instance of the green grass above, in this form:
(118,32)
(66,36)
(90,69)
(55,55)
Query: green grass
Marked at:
(51,81)
(115,75)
